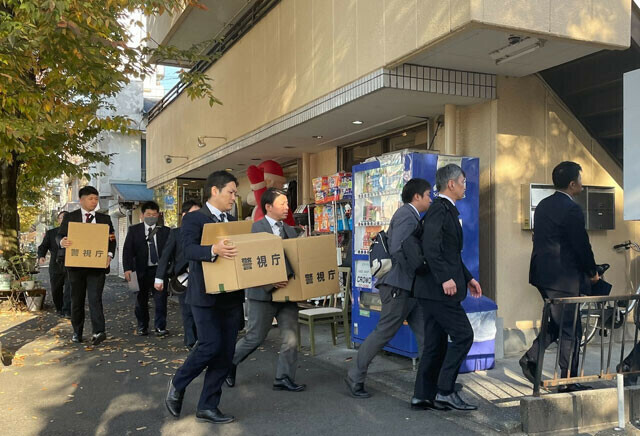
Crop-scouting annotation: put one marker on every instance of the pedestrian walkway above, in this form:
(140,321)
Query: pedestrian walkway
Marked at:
(50,386)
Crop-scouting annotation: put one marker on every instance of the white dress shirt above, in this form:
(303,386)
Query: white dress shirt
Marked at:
(218,214)
(274,225)
(414,208)
(155,242)
(448,198)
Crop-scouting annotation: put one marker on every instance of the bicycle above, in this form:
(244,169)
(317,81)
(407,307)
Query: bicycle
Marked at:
(591,314)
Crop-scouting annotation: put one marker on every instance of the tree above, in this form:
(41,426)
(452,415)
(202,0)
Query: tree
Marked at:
(60,62)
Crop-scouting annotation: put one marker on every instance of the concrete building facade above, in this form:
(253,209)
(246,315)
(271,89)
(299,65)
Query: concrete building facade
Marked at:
(461,75)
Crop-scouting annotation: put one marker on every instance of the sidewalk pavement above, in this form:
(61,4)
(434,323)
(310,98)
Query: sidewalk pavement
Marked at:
(50,386)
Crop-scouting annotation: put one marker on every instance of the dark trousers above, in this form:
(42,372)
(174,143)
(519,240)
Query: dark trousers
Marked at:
(397,305)
(441,360)
(217,333)
(188,323)
(87,283)
(569,346)
(60,288)
(142,301)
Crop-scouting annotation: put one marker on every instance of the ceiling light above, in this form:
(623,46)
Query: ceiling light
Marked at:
(517,49)
(404,133)
(356,122)
(192,181)
(317,136)
(228,169)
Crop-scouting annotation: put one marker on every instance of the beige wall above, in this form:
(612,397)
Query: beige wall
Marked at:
(323,163)
(304,49)
(535,133)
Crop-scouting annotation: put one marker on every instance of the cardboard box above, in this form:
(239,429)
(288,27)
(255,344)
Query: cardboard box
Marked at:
(315,268)
(90,245)
(212,231)
(260,261)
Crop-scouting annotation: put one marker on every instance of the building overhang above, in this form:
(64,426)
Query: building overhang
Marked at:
(385,100)
(192,25)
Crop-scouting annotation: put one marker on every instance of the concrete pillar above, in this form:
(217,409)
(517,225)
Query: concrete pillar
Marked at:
(306,179)
(450,111)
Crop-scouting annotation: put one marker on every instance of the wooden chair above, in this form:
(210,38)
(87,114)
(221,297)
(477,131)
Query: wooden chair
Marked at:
(330,313)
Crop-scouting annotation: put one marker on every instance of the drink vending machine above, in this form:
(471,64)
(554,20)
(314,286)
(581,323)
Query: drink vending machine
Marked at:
(377,188)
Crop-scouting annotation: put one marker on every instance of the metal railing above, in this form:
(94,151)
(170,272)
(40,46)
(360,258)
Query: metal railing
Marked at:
(610,309)
(245,23)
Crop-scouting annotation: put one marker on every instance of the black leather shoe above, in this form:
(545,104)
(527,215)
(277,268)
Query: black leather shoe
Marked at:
(231,377)
(214,416)
(173,401)
(161,332)
(76,338)
(528,369)
(285,384)
(98,337)
(142,332)
(356,390)
(418,404)
(454,401)
(573,387)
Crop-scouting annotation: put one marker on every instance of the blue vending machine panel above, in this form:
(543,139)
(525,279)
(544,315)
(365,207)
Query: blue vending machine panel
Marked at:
(377,186)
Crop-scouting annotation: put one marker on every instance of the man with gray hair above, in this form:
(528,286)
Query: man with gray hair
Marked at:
(439,292)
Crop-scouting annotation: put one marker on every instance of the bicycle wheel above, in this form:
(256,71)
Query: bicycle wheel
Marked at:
(590,317)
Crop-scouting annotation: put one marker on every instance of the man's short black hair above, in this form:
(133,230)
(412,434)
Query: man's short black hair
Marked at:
(219,179)
(150,205)
(564,173)
(414,186)
(187,205)
(87,190)
(269,196)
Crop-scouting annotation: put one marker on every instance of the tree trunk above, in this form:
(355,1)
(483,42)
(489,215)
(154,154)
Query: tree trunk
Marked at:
(9,208)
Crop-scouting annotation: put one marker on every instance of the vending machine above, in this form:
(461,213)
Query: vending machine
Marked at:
(377,188)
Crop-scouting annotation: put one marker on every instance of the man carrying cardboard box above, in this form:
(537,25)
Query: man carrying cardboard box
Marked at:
(262,309)
(87,282)
(217,316)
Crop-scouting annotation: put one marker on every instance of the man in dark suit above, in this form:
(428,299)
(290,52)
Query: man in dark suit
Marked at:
(262,309)
(395,286)
(87,282)
(60,288)
(560,259)
(217,316)
(173,264)
(440,291)
(141,252)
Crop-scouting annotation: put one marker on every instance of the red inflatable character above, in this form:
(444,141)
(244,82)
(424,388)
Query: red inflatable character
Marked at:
(268,174)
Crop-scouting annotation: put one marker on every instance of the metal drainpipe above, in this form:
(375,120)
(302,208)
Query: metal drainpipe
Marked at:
(306,178)
(450,129)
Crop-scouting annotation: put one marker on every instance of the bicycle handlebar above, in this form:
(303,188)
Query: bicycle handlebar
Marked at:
(626,245)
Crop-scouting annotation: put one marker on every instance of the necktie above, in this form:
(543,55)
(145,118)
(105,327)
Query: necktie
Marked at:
(223,217)
(280,226)
(89,217)
(153,253)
